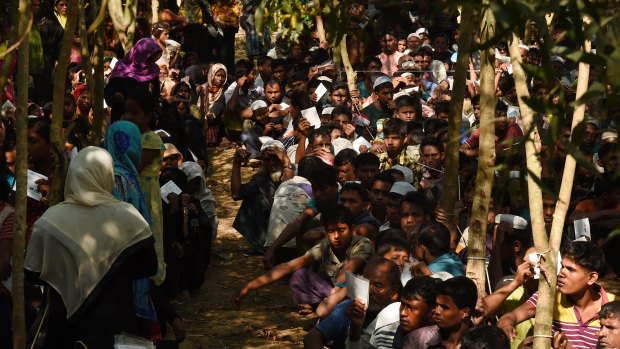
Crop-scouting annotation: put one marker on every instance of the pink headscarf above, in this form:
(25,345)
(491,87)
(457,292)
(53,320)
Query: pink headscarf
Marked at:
(139,63)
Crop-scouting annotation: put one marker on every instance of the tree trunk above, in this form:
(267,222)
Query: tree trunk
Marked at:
(546,291)
(7,61)
(21,132)
(449,194)
(476,246)
(97,96)
(57,134)
(532,149)
(88,68)
(320,29)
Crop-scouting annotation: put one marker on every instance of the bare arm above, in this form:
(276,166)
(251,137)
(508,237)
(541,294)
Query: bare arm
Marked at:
(494,300)
(275,274)
(509,320)
(235,179)
(328,304)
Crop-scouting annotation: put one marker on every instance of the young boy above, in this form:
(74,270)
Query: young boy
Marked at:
(366,168)
(578,300)
(408,109)
(344,162)
(262,127)
(394,249)
(341,252)
(393,150)
(356,198)
(432,250)
(455,302)
(417,302)
(342,115)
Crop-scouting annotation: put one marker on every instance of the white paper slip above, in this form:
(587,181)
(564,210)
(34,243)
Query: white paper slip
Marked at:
(284,106)
(358,288)
(320,91)
(312,116)
(582,229)
(169,187)
(32,191)
(359,142)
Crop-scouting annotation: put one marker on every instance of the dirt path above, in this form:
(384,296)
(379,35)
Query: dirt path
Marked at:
(268,318)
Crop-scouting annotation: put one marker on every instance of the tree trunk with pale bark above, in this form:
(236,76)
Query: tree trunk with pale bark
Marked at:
(21,165)
(476,246)
(450,191)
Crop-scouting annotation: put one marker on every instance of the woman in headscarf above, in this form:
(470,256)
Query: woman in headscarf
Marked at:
(137,70)
(212,102)
(197,187)
(89,249)
(139,109)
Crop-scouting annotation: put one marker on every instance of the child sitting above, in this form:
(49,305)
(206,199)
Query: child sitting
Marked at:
(341,252)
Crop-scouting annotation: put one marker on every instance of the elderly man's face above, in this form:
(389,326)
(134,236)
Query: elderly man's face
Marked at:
(609,335)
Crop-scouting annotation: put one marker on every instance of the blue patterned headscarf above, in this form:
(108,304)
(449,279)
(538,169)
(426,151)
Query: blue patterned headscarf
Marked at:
(123,142)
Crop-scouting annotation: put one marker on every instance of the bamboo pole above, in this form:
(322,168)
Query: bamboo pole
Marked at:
(56,132)
(546,292)
(476,247)
(348,68)
(97,96)
(449,194)
(19,235)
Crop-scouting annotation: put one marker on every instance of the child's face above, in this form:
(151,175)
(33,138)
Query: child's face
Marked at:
(402,45)
(338,97)
(342,119)
(392,213)
(260,115)
(411,216)
(399,257)
(394,143)
(346,173)
(406,113)
(351,200)
(447,314)
(322,142)
(414,313)
(339,235)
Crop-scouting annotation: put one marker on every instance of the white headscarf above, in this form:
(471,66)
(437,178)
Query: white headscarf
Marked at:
(75,243)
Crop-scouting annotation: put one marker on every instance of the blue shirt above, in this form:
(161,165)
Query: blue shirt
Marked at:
(449,263)
(335,327)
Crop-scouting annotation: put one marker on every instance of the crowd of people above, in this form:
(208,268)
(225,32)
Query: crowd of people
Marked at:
(348,179)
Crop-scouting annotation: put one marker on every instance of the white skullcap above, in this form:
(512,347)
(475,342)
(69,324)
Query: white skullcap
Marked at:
(327,111)
(271,143)
(421,31)
(412,35)
(258,104)
(557,59)
(516,221)
(381,80)
(609,134)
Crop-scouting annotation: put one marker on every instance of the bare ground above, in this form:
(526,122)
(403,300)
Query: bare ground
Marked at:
(267,318)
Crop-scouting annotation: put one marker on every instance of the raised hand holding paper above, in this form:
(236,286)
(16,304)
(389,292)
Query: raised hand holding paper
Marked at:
(169,187)
(312,116)
(358,288)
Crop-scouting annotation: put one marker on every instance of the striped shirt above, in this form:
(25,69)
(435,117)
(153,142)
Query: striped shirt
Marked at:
(581,333)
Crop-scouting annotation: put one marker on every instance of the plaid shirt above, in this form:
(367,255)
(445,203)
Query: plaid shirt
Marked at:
(386,163)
